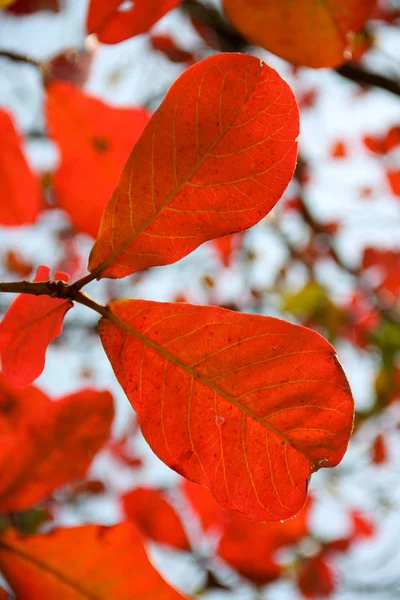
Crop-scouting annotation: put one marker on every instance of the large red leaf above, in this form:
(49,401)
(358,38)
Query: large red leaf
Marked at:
(155,517)
(95,140)
(248,406)
(26,330)
(19,187)
(88,562)
(45,444)
(214,159)
(113,24)
(305,32)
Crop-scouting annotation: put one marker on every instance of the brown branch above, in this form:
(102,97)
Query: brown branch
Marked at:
(20,58)
(361,76)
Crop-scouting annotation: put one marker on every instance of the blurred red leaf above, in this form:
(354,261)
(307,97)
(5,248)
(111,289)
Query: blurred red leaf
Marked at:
(303,32)
(26,7)
(379,450)
(16,264)
(262,403)
(18,183)
(28,327)
(155,517)
(90,561)
(385,263)
(206,508)
(362,527)
(250,547)
(227,245)
(393,178)
(113,23)
(169,47)
(339,150)
(392,138)
(46,444)
(213,160)
(95,140)
(315,578)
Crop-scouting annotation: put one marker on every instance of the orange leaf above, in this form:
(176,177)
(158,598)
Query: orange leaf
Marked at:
(91,561)
(393,178)
(46,444)
(248,406)
(339,150)
(155,517)
(26,330)
(95,140)
(315,578)
(250,548)
(304,32)
(214,159)
(206,508)
(379,453)
(112,23)
(168,46)
(18,184)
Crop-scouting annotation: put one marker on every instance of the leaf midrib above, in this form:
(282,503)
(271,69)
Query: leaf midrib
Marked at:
(48,569)
(121,324)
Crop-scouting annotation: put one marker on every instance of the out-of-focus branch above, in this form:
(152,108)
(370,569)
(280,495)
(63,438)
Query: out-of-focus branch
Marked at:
(361,76)
(20,58)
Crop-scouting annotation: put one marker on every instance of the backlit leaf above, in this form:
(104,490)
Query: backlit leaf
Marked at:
(46,444)
(90,562)
(248,406)
(95,140)
(155,517)
(19,187)
(214,159)
(26,330)
(114,23)
(305,32)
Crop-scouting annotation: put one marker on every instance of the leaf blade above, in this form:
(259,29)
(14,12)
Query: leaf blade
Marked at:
(214,159)
(88,562)
(218,416)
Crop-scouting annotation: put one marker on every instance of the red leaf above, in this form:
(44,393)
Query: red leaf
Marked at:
(17,182)
(379,451)
(227,245)
(315,578)
(250,547)
(248,406)
(155,517)
(392,138)
(393,178)
(362,527)
(339,150)
(17,264)
(46,444)
(168,46)
(95,141)
(26,330)
(214,159)
(210,513)
(91,561)
(387,264)
(113,24)
(305,32)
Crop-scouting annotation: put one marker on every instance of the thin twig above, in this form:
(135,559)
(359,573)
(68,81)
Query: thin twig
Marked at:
(20,58)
